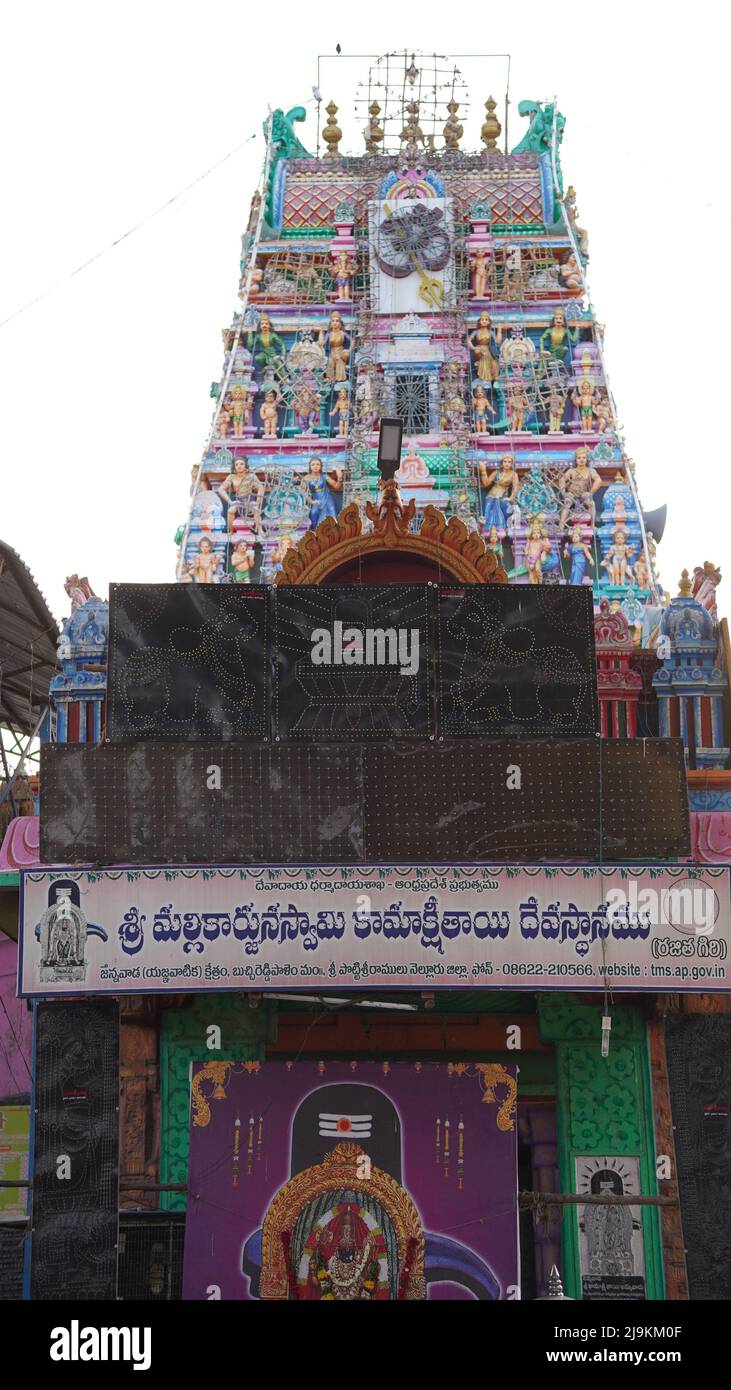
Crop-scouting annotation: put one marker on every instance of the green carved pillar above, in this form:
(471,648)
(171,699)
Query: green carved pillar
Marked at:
(604,1109)
(184,1039)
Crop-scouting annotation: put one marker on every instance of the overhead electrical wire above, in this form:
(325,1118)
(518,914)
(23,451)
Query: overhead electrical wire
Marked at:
(125,235)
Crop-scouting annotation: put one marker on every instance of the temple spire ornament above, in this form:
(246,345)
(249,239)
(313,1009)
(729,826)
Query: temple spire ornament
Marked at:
(453,130)
(412,135)
(332,134)
(374,131)
(491,126)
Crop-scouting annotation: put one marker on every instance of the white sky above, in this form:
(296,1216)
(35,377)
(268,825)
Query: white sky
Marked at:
(107,110)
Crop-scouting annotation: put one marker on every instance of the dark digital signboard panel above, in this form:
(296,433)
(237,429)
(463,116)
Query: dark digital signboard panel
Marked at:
(487,800)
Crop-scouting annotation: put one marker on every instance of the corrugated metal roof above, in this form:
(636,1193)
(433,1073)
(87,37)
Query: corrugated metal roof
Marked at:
(28,638)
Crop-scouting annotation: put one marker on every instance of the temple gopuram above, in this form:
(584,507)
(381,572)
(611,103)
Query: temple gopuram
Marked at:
(371,902)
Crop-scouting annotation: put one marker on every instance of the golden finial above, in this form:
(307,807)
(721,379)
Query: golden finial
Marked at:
(685,585)
(332,134)
(492,127)
(453,131)
(412,134)
(374,131)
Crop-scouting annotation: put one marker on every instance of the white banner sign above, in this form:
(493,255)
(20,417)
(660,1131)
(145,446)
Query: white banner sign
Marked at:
(131,931)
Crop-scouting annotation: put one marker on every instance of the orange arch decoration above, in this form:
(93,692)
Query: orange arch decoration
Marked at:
(446,546)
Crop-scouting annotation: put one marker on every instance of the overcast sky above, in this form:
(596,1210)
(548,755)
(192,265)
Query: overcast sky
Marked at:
(108,110)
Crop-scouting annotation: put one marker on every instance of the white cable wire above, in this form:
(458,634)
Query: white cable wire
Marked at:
(598,339)
(236,342)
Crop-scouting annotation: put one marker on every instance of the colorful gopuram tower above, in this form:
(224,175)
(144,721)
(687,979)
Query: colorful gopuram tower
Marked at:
(445,287)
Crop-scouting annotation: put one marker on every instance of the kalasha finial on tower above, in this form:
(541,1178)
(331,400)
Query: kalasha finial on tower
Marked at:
(412,134)
(332,134)
(374,131)
(685,585)
(491,127)
(453,131)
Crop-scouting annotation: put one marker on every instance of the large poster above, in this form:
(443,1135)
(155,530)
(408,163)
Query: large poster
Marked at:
(131,931)
(352,1181)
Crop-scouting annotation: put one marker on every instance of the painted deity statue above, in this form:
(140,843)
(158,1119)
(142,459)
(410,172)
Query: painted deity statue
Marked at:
(224,421)
(603,414)
(584,398)
(517,406)
(580,555)
(558,338)
(570,273)
(579,485)
(343,271)
(269,415)
(517,351)
(341,412)
(479,273)
(482,408)
(241,407)
(642,573)
(306,406)
(617,559)
(266,345)
(556,403)
(494,543)
(206,564)
(337,345)
(500,485)
(243,492)
(324,492)
(242,562)
(485,348)
(537,551)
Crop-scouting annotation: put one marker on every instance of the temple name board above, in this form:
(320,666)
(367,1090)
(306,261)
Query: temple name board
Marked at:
(165,930)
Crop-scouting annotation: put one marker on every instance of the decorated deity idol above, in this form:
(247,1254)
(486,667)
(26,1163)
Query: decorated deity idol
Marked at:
(482,409)
(517,406)
(206,564)
(324,491)
(242,562)
(494,543)
(343,276)
(484,346)
(556,402)
(617,559)
(479,273)
(642,573)
(578,485)
(500,486)
(341,411)
(269,415)
(518,351)
(603,413)
(306,406)
(580,555)
(337,345)
(570,273)
(584,398)
(243,493)
(240,406)
(537,550)
(557,339)
(267,346)
(224,420)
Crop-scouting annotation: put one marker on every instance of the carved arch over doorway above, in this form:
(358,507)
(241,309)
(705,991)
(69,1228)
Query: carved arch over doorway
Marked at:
(340,551)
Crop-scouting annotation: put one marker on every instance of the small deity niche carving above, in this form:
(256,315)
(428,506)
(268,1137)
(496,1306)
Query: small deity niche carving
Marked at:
(617,559)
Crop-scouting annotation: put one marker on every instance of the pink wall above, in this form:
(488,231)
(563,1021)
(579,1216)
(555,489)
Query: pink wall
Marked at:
(15,1027)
